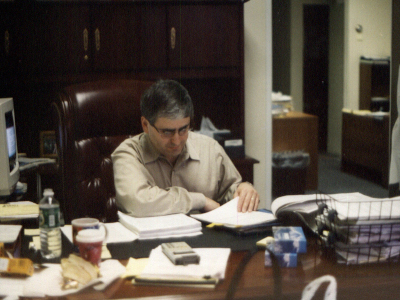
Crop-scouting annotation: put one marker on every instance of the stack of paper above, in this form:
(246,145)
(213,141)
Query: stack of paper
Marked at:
(19,210)
(365,229)
(161,226)
(10,235)
(161,271)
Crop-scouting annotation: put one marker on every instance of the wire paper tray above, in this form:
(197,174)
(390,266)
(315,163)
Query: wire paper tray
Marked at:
(357,229)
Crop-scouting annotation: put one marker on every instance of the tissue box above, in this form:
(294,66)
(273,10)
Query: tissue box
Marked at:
(289,239)
(234,148)
(288,260)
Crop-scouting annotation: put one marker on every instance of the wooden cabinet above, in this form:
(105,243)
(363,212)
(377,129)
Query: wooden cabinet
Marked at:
(200,36)
(58,43)
(365,146)
(7,47)
(53,40)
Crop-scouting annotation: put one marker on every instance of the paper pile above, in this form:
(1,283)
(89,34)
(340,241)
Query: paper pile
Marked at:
(161,271)
(161,226)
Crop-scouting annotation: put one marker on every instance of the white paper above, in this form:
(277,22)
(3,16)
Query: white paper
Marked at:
(12,287)
(213,262)
(228,215)
(116,233)
(9,233)
(52,277)
(161,226)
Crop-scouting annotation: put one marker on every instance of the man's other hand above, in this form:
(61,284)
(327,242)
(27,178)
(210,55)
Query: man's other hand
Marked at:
(210,205)
(248,197)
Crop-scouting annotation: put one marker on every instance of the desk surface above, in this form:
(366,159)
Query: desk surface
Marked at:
(374,281)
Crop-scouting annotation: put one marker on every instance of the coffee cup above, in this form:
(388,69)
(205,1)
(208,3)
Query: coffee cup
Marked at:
(85,224)
(90,243)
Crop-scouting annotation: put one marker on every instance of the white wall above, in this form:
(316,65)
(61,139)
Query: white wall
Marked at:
(258,89)
(375,40)
(336,80)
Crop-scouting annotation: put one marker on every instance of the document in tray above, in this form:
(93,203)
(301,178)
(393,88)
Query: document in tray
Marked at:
(161,226)
(228,215)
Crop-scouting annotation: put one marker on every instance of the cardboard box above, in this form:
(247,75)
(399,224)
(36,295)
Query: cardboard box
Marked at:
(289,239)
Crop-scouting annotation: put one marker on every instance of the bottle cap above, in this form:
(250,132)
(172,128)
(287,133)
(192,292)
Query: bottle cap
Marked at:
(48,192)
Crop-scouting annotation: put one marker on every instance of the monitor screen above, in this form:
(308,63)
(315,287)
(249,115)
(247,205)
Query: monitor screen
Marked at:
(11,139)
(9,166)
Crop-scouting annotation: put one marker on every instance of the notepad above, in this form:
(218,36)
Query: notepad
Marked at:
(21,209)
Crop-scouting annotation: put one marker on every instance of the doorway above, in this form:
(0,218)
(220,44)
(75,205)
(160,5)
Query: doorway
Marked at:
(315,67)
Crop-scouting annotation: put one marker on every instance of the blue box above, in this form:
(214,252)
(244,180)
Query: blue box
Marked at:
(285,260)
(289,240)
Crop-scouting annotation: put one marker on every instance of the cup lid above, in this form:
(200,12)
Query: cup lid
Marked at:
(85,222)
(90,236)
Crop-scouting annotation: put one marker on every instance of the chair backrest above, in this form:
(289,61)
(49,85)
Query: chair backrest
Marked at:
(91,120)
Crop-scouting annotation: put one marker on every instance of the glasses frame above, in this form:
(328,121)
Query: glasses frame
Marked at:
(169,133)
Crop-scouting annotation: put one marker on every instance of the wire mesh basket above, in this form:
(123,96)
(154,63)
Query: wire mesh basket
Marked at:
(357,229)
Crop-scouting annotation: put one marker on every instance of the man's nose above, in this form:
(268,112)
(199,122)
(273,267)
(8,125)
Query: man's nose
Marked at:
(176,137)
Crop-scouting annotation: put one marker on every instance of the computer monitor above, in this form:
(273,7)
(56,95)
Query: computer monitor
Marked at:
(9,166)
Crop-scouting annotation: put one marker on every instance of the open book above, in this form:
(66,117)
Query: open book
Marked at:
(228,216)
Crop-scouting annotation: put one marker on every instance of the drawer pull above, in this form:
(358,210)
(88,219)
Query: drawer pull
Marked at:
(85,39)
(173,38)
(97,39)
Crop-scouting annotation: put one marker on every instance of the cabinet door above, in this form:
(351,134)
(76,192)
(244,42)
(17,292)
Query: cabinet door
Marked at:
(7,47)
(55,39)
(153,42)
(205,35)
(129,36)
(115,36)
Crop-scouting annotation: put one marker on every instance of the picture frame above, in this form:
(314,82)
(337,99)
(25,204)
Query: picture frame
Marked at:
(48,146)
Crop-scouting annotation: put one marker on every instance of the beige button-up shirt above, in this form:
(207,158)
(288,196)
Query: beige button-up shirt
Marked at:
(148,185)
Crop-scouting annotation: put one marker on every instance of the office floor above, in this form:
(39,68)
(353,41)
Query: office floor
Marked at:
(331,180)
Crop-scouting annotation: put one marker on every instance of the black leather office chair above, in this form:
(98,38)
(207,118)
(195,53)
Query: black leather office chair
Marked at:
(91,120)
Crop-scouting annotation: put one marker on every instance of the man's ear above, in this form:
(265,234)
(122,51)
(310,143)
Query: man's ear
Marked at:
(145,124)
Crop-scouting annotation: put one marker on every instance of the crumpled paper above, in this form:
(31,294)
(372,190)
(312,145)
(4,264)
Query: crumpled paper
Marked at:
(34,286)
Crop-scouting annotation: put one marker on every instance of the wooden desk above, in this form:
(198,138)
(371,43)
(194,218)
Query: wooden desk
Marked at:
(374,281)
(298,131)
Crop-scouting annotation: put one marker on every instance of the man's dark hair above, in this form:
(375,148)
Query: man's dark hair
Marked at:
(166,99)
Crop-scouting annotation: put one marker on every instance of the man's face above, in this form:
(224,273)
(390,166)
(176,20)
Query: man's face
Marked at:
(168,136)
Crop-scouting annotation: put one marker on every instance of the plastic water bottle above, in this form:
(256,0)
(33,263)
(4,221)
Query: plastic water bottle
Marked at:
(49,224)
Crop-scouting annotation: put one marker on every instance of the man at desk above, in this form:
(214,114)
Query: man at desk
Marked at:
(170,169)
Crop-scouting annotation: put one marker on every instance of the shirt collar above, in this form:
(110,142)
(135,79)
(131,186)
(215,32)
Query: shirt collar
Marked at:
(150,153)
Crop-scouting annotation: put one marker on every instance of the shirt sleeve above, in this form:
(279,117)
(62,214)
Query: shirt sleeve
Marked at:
(137,193)
(230,177)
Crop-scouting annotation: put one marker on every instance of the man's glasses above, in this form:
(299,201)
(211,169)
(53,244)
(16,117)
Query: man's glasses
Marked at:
(169,133)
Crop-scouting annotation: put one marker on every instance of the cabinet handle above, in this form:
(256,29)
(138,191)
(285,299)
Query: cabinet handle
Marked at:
(173,38)
(97,39)
(86,42)
(7,42)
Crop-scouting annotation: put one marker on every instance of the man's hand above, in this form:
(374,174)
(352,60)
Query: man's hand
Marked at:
(210,205)
(248,197)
